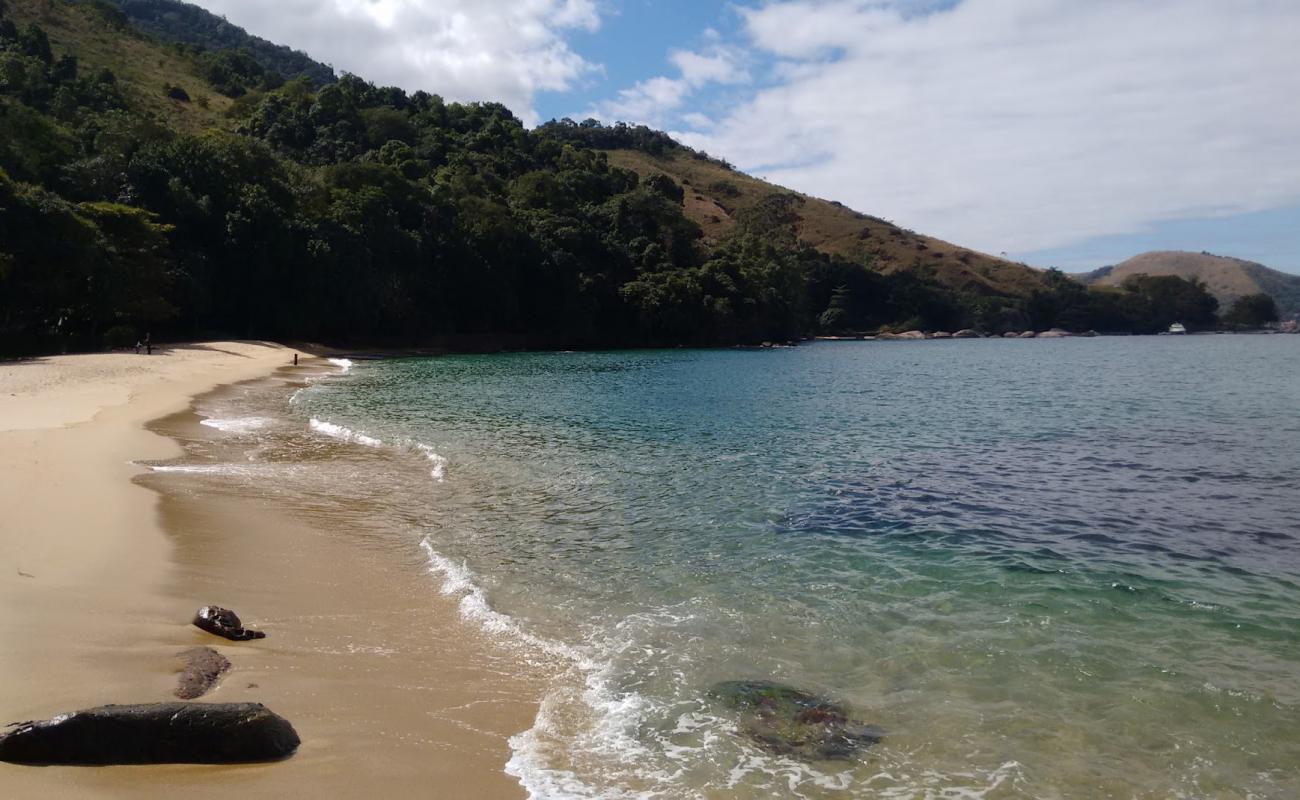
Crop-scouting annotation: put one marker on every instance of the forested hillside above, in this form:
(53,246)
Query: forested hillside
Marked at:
(151,186)
(189,24)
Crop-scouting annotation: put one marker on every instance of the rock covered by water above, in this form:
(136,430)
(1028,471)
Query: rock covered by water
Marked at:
(789,721)
(153,733)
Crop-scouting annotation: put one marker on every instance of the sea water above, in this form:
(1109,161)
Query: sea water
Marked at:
(1058,568)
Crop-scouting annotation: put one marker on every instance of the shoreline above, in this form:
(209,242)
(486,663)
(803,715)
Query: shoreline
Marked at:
(104,563)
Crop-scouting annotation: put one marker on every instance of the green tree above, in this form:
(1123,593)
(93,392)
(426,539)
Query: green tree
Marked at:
(1251,311)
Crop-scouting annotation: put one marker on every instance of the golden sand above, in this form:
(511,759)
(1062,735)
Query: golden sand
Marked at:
(392,694)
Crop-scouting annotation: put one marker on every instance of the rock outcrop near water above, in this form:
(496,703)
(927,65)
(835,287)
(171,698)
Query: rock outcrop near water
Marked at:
(203,668)
(224,622)
(789,721)
(154,733)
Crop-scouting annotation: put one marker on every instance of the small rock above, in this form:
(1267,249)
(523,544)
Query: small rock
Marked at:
(1055,333)
(790,721)
(941,335)
(1028,335)
(1010,335)
(203,667)
(153,733)
(224,622)
(966,333)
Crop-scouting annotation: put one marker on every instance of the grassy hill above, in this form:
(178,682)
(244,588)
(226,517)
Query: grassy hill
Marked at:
(102,38)
(716,193)
(174,21)
(1226,278)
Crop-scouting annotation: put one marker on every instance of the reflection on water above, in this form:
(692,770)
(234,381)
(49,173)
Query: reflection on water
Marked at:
(1047,569)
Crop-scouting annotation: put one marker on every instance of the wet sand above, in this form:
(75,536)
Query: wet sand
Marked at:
(390,691)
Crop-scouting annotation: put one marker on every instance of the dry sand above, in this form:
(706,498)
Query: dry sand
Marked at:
(392,694)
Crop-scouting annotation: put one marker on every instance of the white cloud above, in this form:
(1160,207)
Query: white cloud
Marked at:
(1024,124)
(650,101)
(502,50)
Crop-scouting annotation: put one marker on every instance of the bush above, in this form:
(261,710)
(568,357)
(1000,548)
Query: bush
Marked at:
(177,93)
(120,336)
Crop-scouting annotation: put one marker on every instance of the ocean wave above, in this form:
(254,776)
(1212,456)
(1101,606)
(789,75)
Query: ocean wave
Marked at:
(344,434)
(236,424)
(344,364)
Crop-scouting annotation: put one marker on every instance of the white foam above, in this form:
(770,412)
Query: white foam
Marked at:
(344,364)
(236,424)
(617,715)
(474,607)
(207,469)
(343,434)
(439,470)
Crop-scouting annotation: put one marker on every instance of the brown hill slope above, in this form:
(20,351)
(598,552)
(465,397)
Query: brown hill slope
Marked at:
(714,194)
(1226,278)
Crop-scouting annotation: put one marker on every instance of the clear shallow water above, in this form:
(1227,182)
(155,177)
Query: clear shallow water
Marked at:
(1046,568)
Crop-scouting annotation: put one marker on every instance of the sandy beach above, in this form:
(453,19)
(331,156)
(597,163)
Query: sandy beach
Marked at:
(101,570)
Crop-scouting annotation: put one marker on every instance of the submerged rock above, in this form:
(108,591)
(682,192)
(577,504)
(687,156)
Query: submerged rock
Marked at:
(224,622)
(153,733)
(203,667)
(790,721)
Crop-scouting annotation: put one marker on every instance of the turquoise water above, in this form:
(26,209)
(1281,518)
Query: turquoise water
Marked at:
(1063,568)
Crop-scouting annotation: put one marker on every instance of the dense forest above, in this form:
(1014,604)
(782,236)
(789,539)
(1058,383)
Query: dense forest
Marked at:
(350,213)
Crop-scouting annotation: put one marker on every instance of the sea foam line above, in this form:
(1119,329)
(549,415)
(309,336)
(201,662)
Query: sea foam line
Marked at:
(236,424)
(343,434)
(617,714)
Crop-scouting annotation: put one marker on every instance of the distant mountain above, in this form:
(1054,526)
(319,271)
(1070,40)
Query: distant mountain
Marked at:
(1226,278)
(183,22)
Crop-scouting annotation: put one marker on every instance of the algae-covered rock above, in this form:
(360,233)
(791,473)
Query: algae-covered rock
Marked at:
(790,721)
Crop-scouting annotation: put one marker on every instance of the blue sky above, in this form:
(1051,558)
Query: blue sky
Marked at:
(1063,133)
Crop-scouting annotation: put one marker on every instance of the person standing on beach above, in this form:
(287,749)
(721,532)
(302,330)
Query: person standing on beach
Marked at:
(148,345)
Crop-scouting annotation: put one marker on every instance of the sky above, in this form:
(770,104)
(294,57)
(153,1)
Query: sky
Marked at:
(1066,133)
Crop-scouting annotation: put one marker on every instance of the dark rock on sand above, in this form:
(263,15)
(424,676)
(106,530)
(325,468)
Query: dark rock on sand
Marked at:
(224,622)
(790,721)
(153,733)
(203,667)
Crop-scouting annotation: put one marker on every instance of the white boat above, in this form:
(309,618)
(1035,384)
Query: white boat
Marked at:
(1177,329)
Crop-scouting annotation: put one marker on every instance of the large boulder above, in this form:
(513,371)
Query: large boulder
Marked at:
(789,721)
(1010,335)
(966,333)
(1028,335)
(1055,333)
(224,622)
(153,733)
(203,668)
